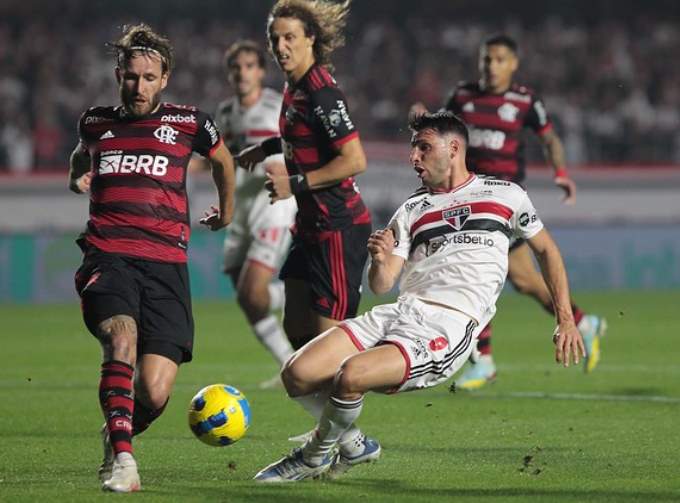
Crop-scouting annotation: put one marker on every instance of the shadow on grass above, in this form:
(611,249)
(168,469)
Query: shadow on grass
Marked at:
(390,490)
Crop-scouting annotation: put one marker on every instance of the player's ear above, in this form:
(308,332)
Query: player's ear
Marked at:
(454,147)
(164,79)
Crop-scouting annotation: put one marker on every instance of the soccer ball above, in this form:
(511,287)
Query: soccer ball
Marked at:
(219,415)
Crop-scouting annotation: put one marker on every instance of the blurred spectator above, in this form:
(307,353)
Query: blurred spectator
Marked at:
(608,80)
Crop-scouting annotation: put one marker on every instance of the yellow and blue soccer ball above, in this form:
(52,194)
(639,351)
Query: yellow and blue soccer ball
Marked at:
(219,415)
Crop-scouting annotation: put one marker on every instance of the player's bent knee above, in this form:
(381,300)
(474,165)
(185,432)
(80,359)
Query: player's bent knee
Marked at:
(153,393)
(296,379)
(254,301)
(348,380)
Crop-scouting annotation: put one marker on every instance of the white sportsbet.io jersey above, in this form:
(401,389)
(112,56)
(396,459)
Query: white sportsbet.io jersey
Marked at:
(242,127)
(456,243)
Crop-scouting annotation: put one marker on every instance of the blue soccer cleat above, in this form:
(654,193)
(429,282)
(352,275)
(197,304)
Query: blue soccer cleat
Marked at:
(477,374)
(361,450)
(592,328)
(293,468)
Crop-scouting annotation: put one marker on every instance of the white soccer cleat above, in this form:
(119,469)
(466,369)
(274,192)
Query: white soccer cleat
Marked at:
(361,450)
(106,467)
(293,468)
(124,476)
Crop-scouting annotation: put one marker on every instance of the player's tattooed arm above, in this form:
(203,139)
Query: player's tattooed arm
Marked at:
(222,168)
(385,267)
(554,153)
(568,341)
(79,174)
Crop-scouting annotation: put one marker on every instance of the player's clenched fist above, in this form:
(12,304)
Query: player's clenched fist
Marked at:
(381,244)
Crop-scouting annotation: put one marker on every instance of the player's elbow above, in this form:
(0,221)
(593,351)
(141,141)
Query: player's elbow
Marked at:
(359,163)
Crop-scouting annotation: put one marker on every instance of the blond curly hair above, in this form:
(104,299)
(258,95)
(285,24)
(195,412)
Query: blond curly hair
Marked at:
(322,19)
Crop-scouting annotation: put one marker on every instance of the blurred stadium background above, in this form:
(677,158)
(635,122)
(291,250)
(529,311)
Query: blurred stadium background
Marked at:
(606,69)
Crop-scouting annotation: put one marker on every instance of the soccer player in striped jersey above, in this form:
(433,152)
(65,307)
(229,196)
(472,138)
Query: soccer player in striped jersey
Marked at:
(496,109)
(323,153)
(259,236)
(133,281)
(449,244)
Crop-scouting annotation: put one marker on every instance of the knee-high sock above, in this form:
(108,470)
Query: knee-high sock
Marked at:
(484,341)
(277,295)
(144,416)
(116,400)
(270,334)
(338,416)
(315,403)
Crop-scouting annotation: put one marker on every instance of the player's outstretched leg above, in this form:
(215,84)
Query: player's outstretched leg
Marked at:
(481,369)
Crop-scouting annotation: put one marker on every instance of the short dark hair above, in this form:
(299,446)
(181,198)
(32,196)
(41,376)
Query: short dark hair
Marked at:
(141,38)
(443,122)
(244,46)
(504,40)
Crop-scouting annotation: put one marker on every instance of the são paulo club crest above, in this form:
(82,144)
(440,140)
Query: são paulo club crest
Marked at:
(456,217)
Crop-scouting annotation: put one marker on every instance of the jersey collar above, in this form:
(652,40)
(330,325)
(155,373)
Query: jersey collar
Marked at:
(467,182)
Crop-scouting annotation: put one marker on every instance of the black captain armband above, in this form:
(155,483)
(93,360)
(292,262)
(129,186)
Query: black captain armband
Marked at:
(298,183)
(272,146)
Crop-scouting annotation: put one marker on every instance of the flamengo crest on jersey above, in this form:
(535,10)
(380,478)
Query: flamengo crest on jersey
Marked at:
(495,123)
(138,201)
(456,243)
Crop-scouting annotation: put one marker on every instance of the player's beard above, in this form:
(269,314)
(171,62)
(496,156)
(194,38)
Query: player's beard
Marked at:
(139,110)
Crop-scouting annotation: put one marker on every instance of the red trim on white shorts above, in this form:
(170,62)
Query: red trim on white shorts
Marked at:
(352,337)
(261,264)
(407,359)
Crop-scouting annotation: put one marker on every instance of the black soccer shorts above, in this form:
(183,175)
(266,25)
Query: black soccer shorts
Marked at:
(155,294)
(333,269)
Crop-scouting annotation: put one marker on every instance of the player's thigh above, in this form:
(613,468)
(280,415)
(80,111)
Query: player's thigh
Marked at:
(166,325)
(381,368)
(522,271)
(319,360)
(109,293)
(298,317)
(254,278)
(155,378)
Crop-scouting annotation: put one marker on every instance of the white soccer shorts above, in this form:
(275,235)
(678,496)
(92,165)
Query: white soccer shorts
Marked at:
(434,341)
(259,232)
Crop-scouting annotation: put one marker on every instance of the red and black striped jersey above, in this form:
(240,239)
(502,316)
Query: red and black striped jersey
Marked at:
(138,199)
(495,122)
(314,124)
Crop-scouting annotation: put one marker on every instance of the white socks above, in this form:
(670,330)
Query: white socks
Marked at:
(269,333)
(337,418)
(277,295)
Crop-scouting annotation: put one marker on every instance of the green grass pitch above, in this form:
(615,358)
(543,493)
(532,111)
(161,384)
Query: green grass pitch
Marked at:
(540,433)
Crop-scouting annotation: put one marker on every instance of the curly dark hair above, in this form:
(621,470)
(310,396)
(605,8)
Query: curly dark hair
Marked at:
(324,20)
(141,37)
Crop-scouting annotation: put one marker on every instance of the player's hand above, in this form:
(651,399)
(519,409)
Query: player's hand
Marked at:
(568,344)
(82,184)
(569,187)
(249,157)
(213,220)
(418,108)
(278,186)
(380,245)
